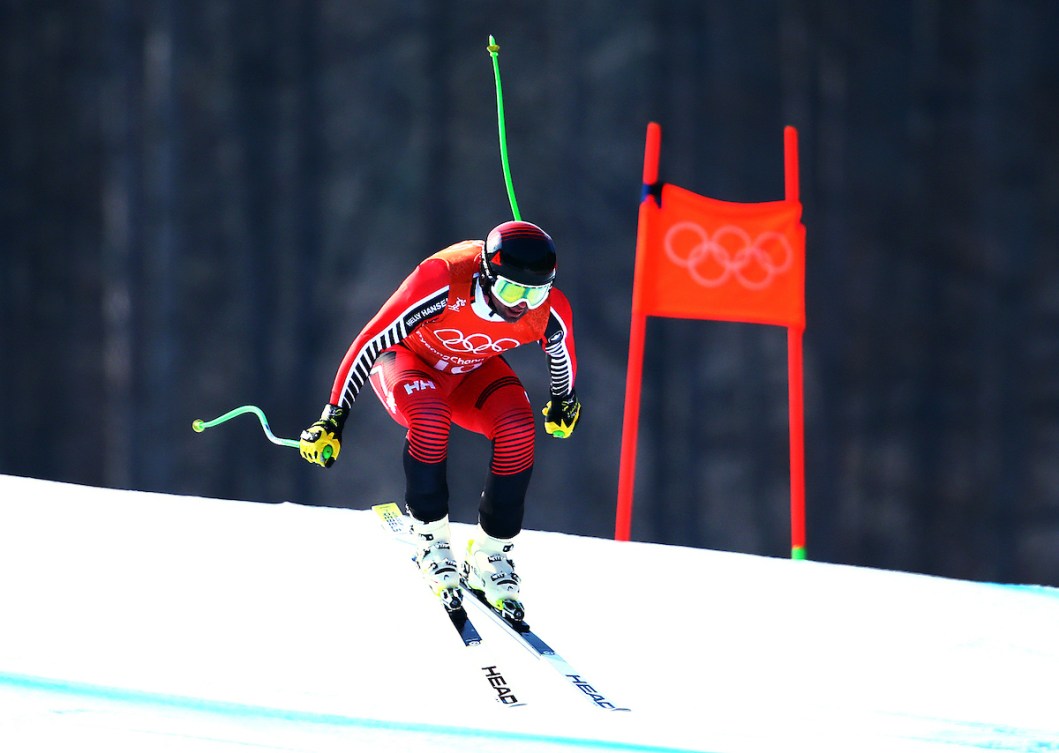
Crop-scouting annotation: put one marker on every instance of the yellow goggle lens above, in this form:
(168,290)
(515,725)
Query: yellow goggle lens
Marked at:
(512,293)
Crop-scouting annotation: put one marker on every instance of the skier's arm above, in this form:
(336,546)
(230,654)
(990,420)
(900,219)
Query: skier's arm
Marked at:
(422,295)
(563,411)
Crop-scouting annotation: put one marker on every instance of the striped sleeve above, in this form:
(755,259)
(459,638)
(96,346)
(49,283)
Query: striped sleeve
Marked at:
(422,295)
(558,344)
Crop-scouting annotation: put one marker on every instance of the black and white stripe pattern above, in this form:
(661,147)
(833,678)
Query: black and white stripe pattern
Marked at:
(560,364)
(397,331)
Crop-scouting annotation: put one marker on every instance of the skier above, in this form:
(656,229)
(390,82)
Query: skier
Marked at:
(433,356)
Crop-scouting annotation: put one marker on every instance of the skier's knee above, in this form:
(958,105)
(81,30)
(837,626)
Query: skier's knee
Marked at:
(513,440)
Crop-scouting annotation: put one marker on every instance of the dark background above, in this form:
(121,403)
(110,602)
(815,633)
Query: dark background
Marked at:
(204,201)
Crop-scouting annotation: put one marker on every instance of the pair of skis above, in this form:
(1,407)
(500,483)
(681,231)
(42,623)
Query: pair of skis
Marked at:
(396,523)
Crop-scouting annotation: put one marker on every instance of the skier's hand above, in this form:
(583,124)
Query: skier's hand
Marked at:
(561,415)
(321,442)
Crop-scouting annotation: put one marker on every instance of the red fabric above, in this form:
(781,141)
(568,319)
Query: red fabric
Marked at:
(490,401)
(708,259)
(431,313)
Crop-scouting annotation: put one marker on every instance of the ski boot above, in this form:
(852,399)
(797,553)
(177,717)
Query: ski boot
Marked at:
(435,560)
(489,571)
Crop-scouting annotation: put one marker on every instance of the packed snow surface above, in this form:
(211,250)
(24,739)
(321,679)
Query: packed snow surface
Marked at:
(146,622)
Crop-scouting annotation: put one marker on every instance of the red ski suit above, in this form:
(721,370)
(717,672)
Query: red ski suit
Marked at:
(431,355)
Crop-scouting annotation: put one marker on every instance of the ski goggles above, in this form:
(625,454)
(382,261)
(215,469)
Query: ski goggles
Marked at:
(513,293)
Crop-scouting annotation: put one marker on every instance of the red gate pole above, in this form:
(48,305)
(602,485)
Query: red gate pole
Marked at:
(637,331)
(795,385)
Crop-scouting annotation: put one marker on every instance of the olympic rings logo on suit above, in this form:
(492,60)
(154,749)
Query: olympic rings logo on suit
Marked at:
(475,343)
(730,252)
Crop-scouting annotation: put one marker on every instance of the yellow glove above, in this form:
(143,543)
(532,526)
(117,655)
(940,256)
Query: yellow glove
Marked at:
(321,442)
(561,415)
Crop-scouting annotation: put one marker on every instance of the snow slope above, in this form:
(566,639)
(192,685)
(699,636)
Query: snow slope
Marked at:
(147,622)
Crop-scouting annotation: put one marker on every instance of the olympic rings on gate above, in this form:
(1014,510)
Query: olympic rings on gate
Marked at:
(730,252)
(475,343)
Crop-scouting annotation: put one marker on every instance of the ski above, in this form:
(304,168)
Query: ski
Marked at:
(532,642)
(396,523)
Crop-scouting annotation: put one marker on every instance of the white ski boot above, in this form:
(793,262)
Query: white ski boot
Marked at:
(489,571)
(435,560)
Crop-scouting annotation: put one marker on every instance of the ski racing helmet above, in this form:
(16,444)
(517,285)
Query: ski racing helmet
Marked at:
(518,263)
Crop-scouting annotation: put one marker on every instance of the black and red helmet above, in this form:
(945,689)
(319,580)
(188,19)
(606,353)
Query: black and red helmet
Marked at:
(520,252)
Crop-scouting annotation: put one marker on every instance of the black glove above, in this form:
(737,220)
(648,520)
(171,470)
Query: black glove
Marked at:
(321,442)
(561,415)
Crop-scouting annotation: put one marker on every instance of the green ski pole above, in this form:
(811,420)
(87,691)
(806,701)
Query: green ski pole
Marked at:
(199,426)
(494,53)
